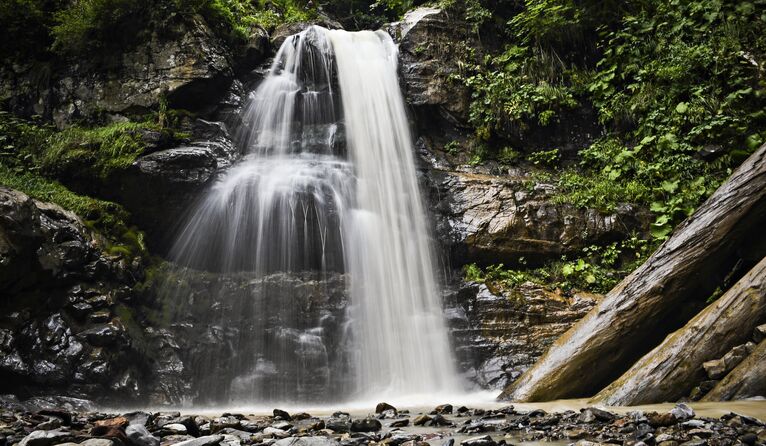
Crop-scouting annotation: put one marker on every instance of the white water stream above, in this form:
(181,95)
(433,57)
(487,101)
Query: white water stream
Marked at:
(329,184)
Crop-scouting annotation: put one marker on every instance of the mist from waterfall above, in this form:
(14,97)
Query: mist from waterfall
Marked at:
(326,193)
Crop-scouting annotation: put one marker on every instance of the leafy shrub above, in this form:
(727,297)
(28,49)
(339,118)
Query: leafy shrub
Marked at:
(597,269)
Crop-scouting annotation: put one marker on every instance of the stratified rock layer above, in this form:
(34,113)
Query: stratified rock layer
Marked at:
(498,219)
(499,334)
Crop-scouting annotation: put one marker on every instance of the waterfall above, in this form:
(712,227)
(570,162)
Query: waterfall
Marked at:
(327,189)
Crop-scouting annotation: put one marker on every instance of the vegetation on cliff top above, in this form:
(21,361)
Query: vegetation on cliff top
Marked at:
(679,89)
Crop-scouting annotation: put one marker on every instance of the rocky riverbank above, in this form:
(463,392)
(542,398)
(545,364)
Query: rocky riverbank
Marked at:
(49,422)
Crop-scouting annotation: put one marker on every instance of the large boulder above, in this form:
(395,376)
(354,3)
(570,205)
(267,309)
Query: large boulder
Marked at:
(160,186)
(500,219)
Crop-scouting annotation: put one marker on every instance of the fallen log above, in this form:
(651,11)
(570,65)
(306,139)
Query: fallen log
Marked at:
(673,368)
(660,296)
(747,380)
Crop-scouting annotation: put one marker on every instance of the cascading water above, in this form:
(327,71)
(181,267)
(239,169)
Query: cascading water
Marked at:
(327,189)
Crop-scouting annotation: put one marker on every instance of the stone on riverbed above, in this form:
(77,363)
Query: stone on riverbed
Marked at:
(382,407)
(208,440)
(140,436)
(484,440)
(45,438)
(365,425)
(306,441)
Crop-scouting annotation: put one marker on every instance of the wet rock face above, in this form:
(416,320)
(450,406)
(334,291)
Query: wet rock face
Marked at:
(429,41)
(498,336)
(180,58)
(493,219)
(293,324)
(160,186)
(59,330)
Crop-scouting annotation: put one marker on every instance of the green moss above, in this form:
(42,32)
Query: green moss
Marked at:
(102,213)
(105,217)
(102,150)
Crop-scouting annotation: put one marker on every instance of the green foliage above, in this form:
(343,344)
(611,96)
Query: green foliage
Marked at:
(106,217)
(675,78)
(670,80)
(92,25)
(102,150)
(32,153)
(548,158)
(598,269)
(518,88)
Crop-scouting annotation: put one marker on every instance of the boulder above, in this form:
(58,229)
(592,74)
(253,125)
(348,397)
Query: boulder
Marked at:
(140,436)
(45,438)
(499,219)
(365,425)
(747,380)
(639,312)
(306,441)
(382,407)
(672,369)
(429,41)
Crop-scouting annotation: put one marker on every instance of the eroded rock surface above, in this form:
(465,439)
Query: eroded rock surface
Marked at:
(60,330)
(497,219)
(181,59)
(499,335)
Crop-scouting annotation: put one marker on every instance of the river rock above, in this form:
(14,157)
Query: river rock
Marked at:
(208,440)
(382,407)
(282,415)
(140,436)
(306,441)
(715,368)
(400,423)
(365,425)
(484,440)
(45,438)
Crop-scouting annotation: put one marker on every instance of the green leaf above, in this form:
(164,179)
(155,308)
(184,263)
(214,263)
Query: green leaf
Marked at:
(682,107)
(567,270)
(658,206)
(669,186)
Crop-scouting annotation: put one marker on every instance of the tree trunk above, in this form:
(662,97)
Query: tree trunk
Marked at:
(670,371)
(658,297)
(747,380)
